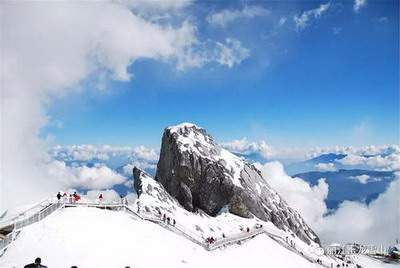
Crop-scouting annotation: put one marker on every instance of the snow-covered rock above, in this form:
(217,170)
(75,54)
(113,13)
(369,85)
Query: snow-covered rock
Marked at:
(154,201)
(200,174)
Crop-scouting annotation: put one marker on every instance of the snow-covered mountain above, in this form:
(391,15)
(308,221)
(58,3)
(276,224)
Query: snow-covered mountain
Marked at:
(200,174)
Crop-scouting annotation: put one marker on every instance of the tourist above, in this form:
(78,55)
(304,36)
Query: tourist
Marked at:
(59,196)
(36,264)
(65,197)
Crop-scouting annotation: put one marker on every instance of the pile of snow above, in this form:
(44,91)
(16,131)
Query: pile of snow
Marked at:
(90,237)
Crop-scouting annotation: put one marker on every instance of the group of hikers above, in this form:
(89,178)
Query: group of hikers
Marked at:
(167,219)
(212,240)
(319,261)
(73,198)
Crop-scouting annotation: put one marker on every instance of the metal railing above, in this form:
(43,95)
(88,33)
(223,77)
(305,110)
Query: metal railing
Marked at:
(21,223)
(30,211)
(195,238)
(5,242)
(239,237)
(229,240)
(24,220)
(47,207)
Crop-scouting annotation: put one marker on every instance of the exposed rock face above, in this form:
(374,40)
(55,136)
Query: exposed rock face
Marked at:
(201,174)
(152,195)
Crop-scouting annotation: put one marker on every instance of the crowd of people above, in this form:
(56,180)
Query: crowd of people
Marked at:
(319,261)
(167,219)
(68,198)
(212,240)
(75,197)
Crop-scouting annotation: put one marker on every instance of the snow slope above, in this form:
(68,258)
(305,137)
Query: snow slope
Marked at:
(368,262)
(90,237)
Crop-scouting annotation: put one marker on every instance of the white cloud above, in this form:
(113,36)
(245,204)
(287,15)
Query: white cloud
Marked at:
(243,146)
(372,149)
(352,222)
(358,4)
(326,166)
(304,20)
(308,200)
(225,17)
(49,48)
(156,6)
(142,152)
(382,157)
(140,156)
(389,162)
(87,152)
(375,223)
(97,177)
(265,150)
(127,169)
(231,52)
(363,179)
(282,21)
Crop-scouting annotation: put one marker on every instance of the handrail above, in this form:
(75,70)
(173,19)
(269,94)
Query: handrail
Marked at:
(20,223)
(199,240)
(235,238)
(24,213)
(225,241)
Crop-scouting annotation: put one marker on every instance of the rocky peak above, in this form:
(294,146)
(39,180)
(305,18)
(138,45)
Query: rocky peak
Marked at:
(200,174)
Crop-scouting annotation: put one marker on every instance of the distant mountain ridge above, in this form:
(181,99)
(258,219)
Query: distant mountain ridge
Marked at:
(327,158)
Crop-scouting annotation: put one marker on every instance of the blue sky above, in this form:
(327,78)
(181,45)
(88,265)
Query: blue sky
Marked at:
(333,82)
